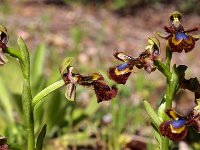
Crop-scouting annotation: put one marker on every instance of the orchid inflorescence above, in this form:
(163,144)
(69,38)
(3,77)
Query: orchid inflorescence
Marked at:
(178,40)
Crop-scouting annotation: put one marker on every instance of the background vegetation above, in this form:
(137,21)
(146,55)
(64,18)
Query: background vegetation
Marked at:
(90,32)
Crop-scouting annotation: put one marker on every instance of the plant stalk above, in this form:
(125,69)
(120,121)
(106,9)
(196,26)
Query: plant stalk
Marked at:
(13,52)
(47,91)
(169,94)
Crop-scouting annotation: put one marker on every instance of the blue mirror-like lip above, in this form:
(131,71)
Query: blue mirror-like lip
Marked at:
(181,36)
(123,66)
(177,123)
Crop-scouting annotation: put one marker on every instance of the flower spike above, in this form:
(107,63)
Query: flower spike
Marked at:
(95,80)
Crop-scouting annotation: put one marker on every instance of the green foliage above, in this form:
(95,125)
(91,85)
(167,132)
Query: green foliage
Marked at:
(40,139)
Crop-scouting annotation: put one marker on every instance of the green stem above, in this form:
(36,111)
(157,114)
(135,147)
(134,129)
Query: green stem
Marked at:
(13,52)
(168,57)
(26,94)
(47,91)
(165,144)
(162,68)
(169,93)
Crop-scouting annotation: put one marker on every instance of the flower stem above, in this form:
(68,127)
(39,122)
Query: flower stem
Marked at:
(47,91)
(162,68)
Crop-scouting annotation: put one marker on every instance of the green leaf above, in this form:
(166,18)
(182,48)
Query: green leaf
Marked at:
(25,64)
(26,94)
(161,110)
(65,63)
(157,135)
(41,136)
(5,101)
(152,114)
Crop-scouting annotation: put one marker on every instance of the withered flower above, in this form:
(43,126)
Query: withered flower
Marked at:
(177,129)
(3,42)
(178,38)
(145,60)
(147,57)
(95,80)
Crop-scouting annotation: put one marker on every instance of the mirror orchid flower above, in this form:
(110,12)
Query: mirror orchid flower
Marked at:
(178,38)
(177,128)
(103,91)
(120,73)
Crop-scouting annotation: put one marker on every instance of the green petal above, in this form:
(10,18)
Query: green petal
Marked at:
(3,29)
(70,93)
(3,59)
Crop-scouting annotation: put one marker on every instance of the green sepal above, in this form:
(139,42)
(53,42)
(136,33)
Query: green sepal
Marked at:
(3,59)
(162,35)
(196,37)
(40,139)
(3,30)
